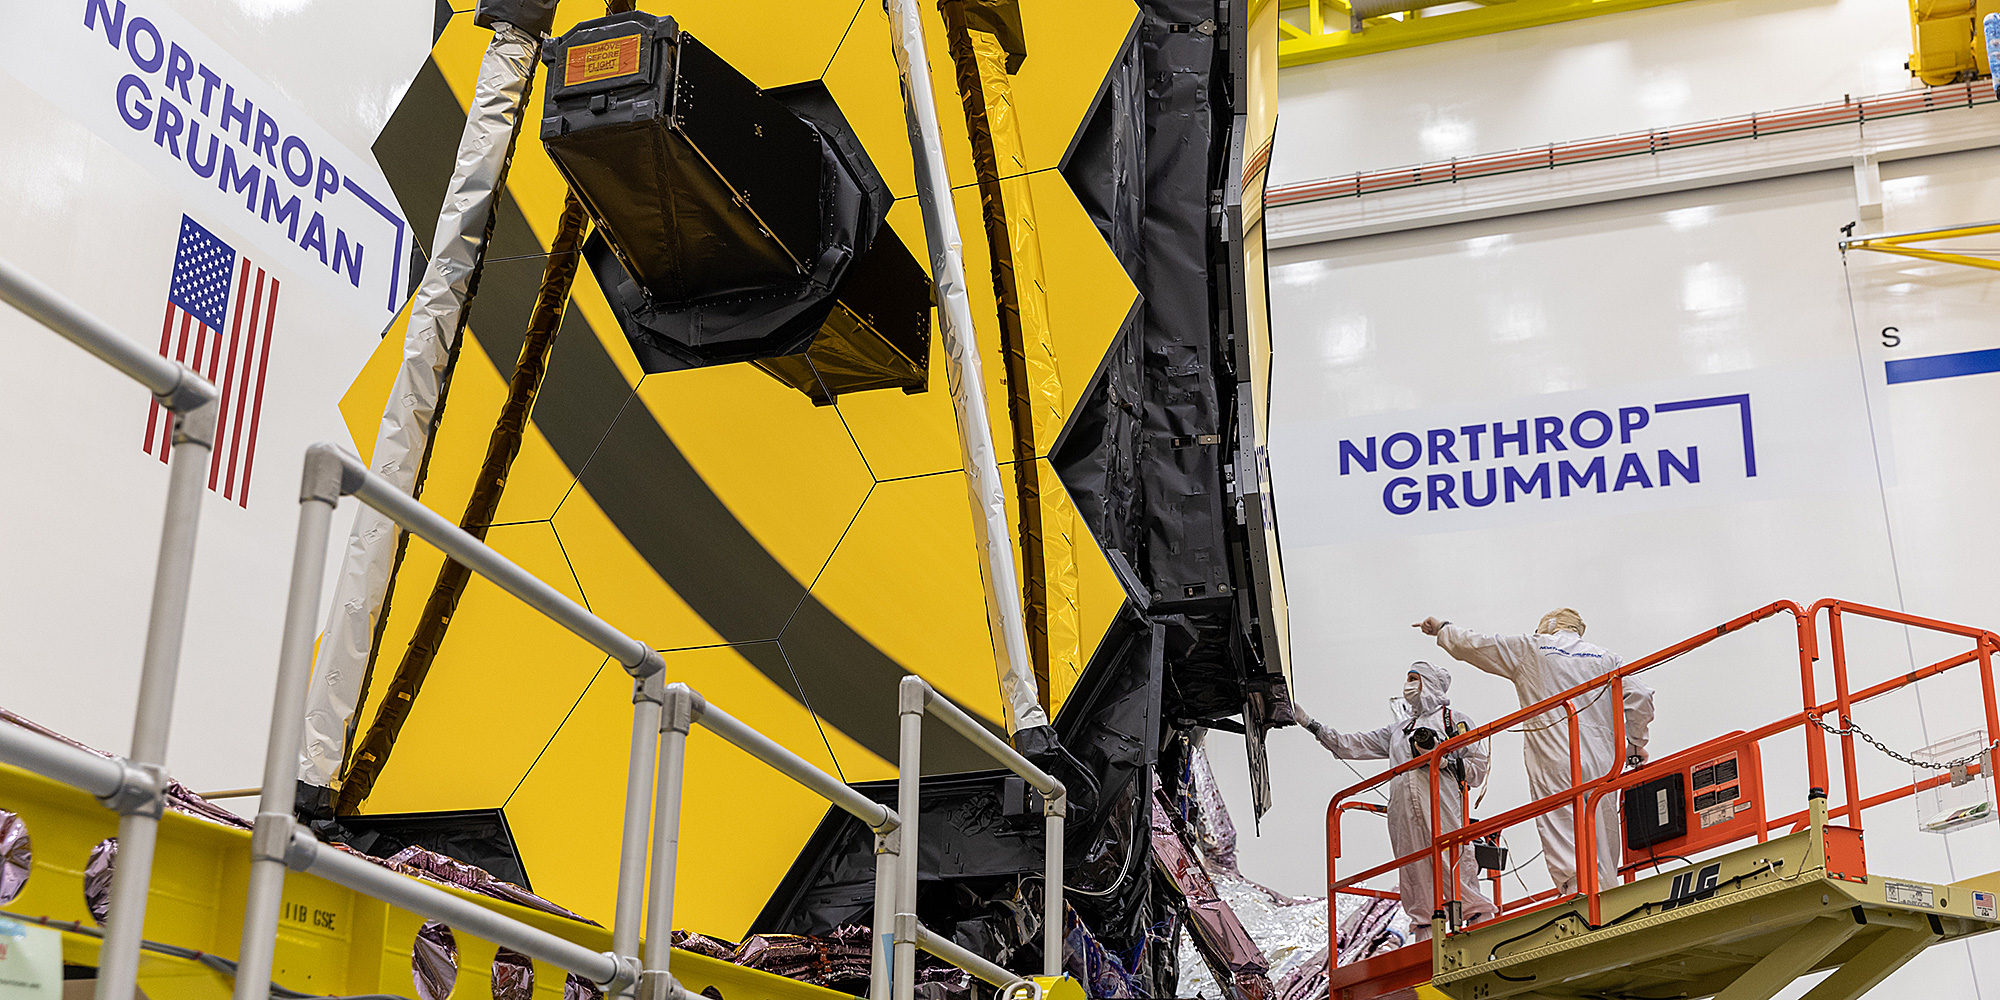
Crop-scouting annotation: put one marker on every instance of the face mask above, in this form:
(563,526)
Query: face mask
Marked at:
(1412,688)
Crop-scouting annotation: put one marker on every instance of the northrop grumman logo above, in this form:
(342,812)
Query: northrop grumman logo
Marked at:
(1632,448)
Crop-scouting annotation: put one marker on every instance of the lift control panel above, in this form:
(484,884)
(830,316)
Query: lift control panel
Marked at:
(1697,799)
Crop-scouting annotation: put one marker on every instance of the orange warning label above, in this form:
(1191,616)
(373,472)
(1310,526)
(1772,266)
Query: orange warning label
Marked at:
(602,60)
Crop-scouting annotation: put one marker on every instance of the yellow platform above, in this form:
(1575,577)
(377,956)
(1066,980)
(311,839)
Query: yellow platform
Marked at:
(331,939)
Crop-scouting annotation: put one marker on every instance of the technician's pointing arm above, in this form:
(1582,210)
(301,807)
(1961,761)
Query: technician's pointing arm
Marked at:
(1501,655)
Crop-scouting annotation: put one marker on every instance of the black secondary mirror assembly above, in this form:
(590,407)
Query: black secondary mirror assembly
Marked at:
(733,223)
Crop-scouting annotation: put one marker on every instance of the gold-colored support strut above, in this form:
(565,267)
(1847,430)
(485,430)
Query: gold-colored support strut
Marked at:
(1328,31)
(987,47)
(1899,244)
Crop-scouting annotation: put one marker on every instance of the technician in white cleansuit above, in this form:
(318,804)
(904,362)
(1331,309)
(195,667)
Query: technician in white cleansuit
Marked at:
(1542,665)
(1423,720)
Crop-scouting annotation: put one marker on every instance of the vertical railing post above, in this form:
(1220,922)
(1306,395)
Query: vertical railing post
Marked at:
(1435,858)
(1053,808)
(1849,767)
(1576,801)
(1332,879)
(1808,624)
(139,819)
(676,718)
(327,479)
(648,696)
(1992,711)
(912,698)
(140,797)
(881,949)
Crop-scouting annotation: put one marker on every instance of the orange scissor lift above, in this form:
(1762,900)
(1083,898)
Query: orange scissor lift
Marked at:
(1770,899)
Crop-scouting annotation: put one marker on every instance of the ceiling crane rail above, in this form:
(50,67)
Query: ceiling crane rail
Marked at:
(1854,112)
(1334,29)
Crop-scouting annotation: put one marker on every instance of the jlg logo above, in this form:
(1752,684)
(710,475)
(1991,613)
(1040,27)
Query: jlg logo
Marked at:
(1691,887)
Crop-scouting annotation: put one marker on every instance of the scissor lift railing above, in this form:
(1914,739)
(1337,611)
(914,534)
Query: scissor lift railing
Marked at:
(662,716)
(1585,796)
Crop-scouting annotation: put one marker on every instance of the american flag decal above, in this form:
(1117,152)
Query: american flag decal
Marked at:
(206,273)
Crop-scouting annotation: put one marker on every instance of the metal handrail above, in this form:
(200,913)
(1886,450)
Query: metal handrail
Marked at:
(135,786)
(662,718)
(329,474)
(140,791)
(1585,796)
(915,699)
(684,709)
(279,845)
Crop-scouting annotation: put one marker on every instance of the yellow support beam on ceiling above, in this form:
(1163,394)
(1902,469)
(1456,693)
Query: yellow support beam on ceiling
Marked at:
(1332,39)
(1898,243)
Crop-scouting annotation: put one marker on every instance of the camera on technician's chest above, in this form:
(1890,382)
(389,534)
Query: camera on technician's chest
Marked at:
(1423,740)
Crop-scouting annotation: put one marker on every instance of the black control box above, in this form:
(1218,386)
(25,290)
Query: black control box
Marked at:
(1656,811)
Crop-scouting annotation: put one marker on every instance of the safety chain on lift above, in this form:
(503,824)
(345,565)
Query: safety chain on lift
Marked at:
(1949,765)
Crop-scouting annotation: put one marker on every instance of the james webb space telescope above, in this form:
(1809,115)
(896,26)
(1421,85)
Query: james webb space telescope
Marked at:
(733,223)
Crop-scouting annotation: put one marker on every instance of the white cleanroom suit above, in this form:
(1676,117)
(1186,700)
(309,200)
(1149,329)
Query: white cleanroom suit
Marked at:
(1424,706)
(1542,665)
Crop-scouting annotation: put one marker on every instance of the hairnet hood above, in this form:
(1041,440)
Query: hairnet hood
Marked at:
(1560,620)
(1437,680)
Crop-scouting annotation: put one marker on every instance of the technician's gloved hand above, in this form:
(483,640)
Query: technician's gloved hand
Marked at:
(1284,713)
(1313,726)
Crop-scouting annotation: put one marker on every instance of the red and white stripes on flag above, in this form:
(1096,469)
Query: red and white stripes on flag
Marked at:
(236,361)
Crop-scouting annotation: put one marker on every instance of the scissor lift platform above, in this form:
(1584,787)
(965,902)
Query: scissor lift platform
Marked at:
(1741,926)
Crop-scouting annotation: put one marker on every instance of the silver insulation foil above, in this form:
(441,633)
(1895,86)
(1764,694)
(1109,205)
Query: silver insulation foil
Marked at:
(1290,930)
(405,431)
(966,380)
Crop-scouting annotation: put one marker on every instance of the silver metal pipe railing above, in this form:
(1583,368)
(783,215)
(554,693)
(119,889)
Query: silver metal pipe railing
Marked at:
(178,386)
(307,854)
(646,715)
(52,758)
(330,474)
(686,709)
(915,699)
(951,951)
(662,717)
(141,794)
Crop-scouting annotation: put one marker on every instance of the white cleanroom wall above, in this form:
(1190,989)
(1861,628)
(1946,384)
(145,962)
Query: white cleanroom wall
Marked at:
(1862,490)
(97,215)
